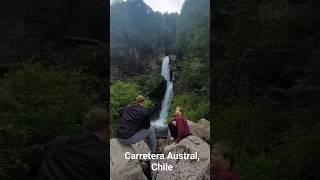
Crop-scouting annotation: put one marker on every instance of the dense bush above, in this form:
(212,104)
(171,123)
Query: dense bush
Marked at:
(37,104)
(121,95)
(194,107)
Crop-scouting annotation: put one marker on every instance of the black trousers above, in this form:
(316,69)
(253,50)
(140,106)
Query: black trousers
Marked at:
(173,130)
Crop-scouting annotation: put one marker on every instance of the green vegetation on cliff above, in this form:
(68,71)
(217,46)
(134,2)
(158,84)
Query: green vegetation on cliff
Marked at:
(192,84)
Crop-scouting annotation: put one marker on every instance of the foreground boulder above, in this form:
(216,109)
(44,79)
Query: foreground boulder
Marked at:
(161,143)
(126,169)
(204,124)
(186,169)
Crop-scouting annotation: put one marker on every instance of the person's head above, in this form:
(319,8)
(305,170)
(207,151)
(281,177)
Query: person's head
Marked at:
(140,100)
(95,122)
(222,157)
(179,111)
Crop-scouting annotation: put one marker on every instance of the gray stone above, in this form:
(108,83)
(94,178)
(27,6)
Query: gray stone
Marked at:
(186,169)
(126,169)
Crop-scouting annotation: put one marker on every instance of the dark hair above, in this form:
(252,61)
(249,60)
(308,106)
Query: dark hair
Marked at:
(227,149)
(95,120)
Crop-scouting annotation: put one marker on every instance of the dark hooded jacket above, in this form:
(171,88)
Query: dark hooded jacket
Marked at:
(79,157)
(133,119)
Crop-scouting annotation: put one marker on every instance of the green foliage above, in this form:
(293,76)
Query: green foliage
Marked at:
(37,104)
(194,107)
(253,125)
(37,96)
(121,95)
(193,27)
(193,76)
(193,72)
(257,166)
(301,148)
(245,126)
(13,139)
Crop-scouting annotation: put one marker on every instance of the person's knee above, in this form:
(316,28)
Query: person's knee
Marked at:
(151,130)
(125,142)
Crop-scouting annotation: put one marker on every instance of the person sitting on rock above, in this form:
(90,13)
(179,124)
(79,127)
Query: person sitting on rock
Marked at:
(222,162)
(78,157)
(181,129)
(135,125)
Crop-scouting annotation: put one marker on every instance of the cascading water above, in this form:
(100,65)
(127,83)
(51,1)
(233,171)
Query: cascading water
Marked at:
(165,72)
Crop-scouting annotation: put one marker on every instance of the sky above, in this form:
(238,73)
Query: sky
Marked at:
(164,5)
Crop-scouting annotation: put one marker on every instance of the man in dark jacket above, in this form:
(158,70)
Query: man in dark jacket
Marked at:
(79,157)
(135,125)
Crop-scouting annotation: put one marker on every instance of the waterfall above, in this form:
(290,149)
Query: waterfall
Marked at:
(165,72)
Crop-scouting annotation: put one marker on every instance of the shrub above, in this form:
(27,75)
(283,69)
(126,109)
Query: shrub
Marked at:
(121,95)
(195,107)
(37,104)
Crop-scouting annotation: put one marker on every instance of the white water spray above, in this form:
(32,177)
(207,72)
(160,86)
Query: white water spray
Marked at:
(165,72)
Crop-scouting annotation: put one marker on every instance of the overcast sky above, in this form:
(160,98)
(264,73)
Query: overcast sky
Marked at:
(165,5)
